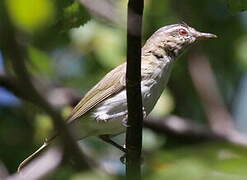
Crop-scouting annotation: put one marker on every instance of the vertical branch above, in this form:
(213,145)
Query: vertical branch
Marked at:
(134,98)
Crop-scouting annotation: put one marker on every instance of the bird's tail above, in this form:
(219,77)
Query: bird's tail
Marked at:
(36,153)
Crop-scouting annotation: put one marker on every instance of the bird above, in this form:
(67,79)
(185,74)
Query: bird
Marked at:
(103,111)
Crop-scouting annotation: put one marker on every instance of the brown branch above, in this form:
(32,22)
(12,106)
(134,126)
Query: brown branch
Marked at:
(14,51)
(3,171)
(56,96)
(220,120)
(173,125)
(103,9)
(40,167)
(12,84)
(179,127)
(134,98)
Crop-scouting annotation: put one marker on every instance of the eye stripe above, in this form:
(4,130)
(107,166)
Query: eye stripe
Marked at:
(177,29)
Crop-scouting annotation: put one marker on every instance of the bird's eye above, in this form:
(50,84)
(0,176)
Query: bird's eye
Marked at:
(183,32)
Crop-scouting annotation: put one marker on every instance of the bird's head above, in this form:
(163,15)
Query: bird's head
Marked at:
(172,39)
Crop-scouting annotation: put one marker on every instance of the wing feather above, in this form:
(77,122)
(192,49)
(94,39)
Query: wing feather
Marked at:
(112,83)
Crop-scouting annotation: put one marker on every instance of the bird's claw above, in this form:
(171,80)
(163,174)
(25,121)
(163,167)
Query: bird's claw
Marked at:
(123,159)
(125,122)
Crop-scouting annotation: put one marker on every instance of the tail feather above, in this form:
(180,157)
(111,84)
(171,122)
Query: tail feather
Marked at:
(26,161)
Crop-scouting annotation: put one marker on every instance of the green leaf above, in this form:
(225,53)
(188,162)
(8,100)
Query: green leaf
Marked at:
(30,15)
(209,161)
(237,5)
(41,62)
(241,51)
(74,16)
(68,15)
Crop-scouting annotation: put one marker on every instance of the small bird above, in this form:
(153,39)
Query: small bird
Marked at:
(103,110)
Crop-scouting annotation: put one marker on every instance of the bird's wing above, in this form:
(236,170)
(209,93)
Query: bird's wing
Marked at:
(112,83)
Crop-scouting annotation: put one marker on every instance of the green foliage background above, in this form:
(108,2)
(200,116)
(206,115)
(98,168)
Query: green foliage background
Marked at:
(70,47)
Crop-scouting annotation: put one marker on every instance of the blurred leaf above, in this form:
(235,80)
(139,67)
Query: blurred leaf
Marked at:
(208,160)
(186,170)
(63,3)
(74,16)
(151,141)
(69,14)
(43,126)
(109,47)
(82,36)
(164,106)
(90,176)
(106,42)
(41,61)
(241,50)
(1,10)
(30,15)
(237,5)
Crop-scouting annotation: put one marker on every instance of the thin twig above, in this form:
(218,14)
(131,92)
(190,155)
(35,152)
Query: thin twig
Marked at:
(178,127)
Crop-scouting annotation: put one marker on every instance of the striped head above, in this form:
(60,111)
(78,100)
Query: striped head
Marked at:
(174,38)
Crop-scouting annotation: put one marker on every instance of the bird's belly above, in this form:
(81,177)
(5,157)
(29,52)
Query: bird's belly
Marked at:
(115,104)
(88,126)
(150,96)
(153,88)
(107,117)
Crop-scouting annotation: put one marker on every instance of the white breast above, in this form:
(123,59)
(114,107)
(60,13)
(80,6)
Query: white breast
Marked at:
(114,109)
(151,91)
(153,88)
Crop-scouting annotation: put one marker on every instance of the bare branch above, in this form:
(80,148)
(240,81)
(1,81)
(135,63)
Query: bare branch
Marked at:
(3,171)
(134,98)
(40,167)
(220,119)
(104,9)
(11,83)
(179,127)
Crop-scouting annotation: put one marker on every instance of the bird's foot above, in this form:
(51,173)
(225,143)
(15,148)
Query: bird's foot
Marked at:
(123,159)
(108,140)
(102,118)
(125,121)
(144,113)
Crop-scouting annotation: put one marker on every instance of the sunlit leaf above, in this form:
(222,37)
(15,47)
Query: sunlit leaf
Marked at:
(74,16)
(30,15)
(106,42)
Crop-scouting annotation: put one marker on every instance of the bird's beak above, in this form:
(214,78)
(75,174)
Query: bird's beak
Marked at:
(201,36)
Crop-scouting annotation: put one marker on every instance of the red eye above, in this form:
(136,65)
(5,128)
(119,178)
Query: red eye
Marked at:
(183,32)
